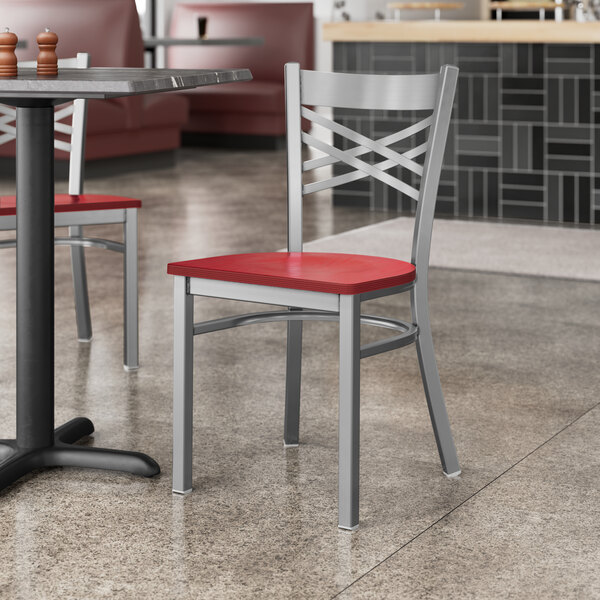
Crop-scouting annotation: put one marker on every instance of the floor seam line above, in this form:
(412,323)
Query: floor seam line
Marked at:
(466,500)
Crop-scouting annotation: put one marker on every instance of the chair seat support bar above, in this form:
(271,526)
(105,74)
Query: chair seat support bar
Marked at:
(85,242)
(408,331)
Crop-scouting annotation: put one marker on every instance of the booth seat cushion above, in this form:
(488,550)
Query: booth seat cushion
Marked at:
(164,110)
(250,96)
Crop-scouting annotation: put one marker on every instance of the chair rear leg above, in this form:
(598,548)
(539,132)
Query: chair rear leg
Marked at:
(183,355)
(130,289)
(433,386)
(80,288)
(293,378)
(349,413)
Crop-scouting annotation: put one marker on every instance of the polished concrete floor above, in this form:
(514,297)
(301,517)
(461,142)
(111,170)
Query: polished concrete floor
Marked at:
(518,358)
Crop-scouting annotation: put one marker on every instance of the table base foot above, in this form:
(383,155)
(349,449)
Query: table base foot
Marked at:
(16,462)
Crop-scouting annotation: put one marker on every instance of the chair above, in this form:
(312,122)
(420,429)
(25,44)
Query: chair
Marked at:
(76,209)
(330,287)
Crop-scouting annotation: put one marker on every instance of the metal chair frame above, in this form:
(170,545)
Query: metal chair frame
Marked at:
(76,220)
(433,92)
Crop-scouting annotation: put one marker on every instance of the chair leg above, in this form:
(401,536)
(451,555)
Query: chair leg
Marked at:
(130,289)
(183,354)
(292,384)
(432,384)
(80,288)
(349,412)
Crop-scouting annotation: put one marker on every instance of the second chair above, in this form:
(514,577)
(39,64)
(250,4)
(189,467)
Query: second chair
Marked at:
(76,210)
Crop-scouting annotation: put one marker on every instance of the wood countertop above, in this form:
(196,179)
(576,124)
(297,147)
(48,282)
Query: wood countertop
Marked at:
(480,32)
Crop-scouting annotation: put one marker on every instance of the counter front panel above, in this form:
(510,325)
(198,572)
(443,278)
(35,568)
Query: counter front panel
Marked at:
(524,141)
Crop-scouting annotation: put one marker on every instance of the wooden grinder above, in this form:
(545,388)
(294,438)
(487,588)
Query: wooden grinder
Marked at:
(47,61)
(8,59)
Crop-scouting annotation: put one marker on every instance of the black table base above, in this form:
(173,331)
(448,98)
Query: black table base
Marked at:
(20,461)
(38,444)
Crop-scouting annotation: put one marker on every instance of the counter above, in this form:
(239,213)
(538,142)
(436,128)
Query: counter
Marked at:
(524,141)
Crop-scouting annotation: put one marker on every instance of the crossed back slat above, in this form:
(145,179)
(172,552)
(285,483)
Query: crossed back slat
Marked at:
(75,131)
(423,141)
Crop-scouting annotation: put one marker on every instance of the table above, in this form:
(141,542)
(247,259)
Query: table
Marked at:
(37,443)
(153,43)
(525,6)
(436,7)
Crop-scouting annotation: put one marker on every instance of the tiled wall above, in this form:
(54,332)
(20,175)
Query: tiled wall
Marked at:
(525,136)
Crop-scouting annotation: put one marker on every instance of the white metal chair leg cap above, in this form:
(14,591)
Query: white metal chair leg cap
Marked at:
(85,340)
(182,493)
(290,445)
(453,475)
(128,368)
(350,529)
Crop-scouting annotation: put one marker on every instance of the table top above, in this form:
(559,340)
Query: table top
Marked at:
(107,82)
(249,41)
(516,5)
(427,5)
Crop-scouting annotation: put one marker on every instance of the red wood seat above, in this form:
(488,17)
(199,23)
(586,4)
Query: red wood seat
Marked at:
(72,203)
(314,271)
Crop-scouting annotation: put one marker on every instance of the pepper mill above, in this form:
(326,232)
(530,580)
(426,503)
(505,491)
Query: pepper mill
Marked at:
(8,59)
(47,61)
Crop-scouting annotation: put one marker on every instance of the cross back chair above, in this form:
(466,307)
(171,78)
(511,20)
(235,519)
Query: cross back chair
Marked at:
(76,209)
(321,286)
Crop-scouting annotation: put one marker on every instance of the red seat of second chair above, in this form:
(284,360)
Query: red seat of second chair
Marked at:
(73,203)
(314,271)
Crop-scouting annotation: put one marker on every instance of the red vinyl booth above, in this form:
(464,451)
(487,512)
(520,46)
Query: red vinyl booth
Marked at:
(109,31)
(256,107)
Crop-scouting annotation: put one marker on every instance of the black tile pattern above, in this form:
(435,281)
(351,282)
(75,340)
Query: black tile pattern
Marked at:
(525,137)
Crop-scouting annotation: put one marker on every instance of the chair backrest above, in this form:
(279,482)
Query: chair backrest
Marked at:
(415,94)
(68,138)
(286,28)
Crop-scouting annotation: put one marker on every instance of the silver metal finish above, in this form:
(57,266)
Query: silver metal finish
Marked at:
(85,217)
(410,92)
(293,377)
(80,287)
(130,289)
(294,156)
(183,356)
(349,412)
(420,258)
(264,294)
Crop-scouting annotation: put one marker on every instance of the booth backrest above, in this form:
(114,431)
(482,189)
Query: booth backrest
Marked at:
(108,30)
(287,30)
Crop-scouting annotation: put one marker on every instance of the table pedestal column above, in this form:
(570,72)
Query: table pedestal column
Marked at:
(38,444)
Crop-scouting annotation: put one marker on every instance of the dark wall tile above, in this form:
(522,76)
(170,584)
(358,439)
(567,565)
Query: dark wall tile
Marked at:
(537,148)
(513,211)
(566,149)
(477,98)
(523,115)
(523,179)
(567,68)
(569,198)
(569,51)
(568,100)
(477,193)
(584,108)
(523,194)
(492,193)
(553,100)
(584,199)
(569,165)
(523,59)
(468,160)
(522,83)
(484,129)
(526,99)
(478,50)
(553,198)
(464,192)
(537,59)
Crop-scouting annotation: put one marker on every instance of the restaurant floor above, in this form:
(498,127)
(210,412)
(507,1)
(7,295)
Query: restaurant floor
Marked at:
(518,358)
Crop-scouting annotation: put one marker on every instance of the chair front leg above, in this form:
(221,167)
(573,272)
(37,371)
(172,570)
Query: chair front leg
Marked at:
(80,288)
(131,359)
(349,412)
(293,376)
(431,382)
(183,365)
